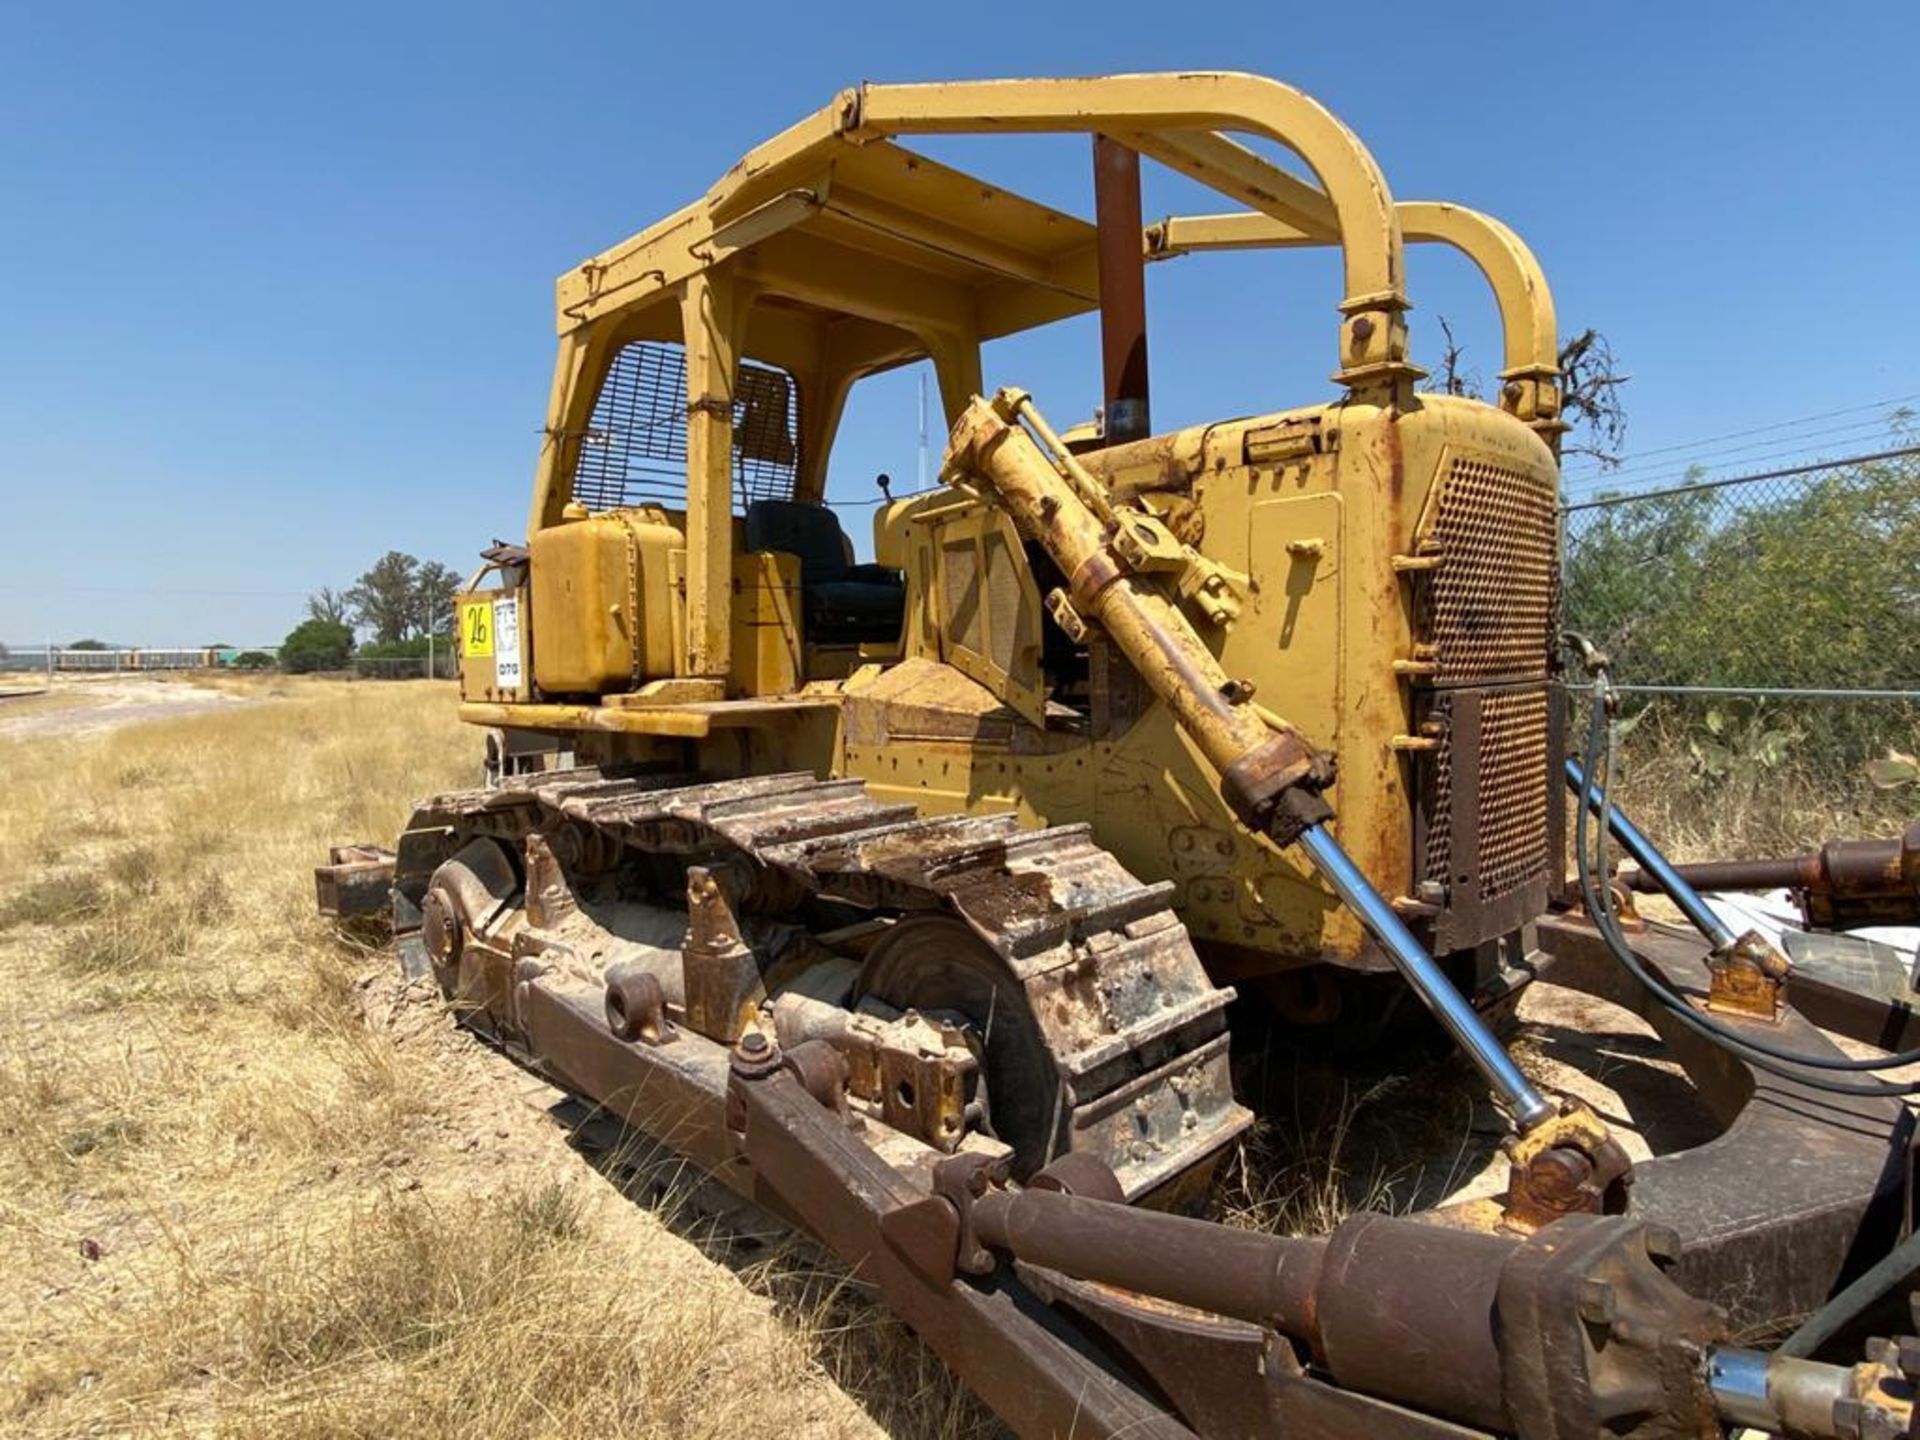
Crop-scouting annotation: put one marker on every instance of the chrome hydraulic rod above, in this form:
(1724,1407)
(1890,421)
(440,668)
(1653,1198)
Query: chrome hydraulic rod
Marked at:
(1648,857)
(1514,1091)
(1786,1395)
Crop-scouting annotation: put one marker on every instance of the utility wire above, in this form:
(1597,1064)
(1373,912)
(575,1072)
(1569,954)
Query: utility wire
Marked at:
(1815,456)
(1589,502)
(1854,432)
(1822,450)
(1881,405)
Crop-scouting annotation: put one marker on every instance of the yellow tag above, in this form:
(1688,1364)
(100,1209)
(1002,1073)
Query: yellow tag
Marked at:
(476,627)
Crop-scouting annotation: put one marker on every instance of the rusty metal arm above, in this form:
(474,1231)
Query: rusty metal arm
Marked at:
(1059,1305)
(1842,885)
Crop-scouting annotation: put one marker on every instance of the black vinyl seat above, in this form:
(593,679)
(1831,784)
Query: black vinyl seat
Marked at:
(842,603)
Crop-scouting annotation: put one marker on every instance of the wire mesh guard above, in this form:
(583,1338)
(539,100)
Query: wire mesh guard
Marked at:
(1488,612)
(1492,598)
(634,451)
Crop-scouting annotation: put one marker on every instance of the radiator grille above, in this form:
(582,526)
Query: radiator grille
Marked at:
(1487,612)
(1492,597)
(634,451)
(1003,600)
(1512,792)
(1440,797)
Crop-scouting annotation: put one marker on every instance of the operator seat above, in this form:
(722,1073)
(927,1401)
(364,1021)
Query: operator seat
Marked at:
(842,603)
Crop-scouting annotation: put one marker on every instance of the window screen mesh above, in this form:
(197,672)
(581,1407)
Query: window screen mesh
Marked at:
(634,451)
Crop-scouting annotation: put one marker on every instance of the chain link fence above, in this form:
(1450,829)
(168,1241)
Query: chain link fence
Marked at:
(1765,634)
(443,664)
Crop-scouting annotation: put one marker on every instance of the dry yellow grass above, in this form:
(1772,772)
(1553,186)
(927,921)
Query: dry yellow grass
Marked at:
(248,1188)
(1752,810)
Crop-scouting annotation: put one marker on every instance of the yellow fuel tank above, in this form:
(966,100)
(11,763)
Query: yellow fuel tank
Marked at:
(603,602)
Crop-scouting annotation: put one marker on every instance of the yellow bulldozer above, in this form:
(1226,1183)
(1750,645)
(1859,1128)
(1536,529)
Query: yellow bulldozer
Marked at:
(909,896)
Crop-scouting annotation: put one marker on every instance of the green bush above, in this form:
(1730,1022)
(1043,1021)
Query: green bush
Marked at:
(253,660)
(316,645)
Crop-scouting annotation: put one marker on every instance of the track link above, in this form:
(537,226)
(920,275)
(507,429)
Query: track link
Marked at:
(1136,1030)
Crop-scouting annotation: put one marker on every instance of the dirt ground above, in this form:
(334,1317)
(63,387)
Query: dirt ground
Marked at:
(251,1183)
(71,707)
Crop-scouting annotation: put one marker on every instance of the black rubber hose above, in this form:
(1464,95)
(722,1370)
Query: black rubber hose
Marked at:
(1756,1053)
(1894,1060)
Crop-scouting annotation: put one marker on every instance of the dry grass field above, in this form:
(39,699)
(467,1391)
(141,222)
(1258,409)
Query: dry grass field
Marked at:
(249,1186)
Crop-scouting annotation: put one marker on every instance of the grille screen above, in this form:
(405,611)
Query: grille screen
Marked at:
(1003,600)
(1488,613)
(1492,597)
(634,451)
(960,584)
(1513,792)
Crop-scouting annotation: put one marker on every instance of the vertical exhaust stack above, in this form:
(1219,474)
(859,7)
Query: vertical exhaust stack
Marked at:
(1123,290)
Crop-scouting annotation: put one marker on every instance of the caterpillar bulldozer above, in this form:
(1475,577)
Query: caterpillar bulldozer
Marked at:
(912,897)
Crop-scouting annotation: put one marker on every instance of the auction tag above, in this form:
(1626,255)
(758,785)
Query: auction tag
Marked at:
(506,640)
(476,628)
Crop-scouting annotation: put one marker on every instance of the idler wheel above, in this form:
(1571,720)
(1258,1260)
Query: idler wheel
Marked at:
(462,898)
(443,936)
(935,964)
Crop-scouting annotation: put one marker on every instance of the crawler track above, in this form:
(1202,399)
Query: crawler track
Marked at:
(1134,1029)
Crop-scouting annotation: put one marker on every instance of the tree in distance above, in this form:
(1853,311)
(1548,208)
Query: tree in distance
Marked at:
(400,599)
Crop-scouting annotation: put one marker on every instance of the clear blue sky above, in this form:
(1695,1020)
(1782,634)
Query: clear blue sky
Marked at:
(276,286)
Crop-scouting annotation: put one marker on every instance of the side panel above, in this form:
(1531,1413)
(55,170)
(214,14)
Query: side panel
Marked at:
(766,624)
(491,639)
(988,611)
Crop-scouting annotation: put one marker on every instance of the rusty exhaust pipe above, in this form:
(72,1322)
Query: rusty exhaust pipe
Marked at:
(1845,883)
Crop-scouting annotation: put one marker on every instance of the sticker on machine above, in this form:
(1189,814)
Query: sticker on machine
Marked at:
(506,643)
(476,629)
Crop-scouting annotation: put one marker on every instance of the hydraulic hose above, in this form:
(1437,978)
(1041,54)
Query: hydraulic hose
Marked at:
(1595,801)
(1649,859)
